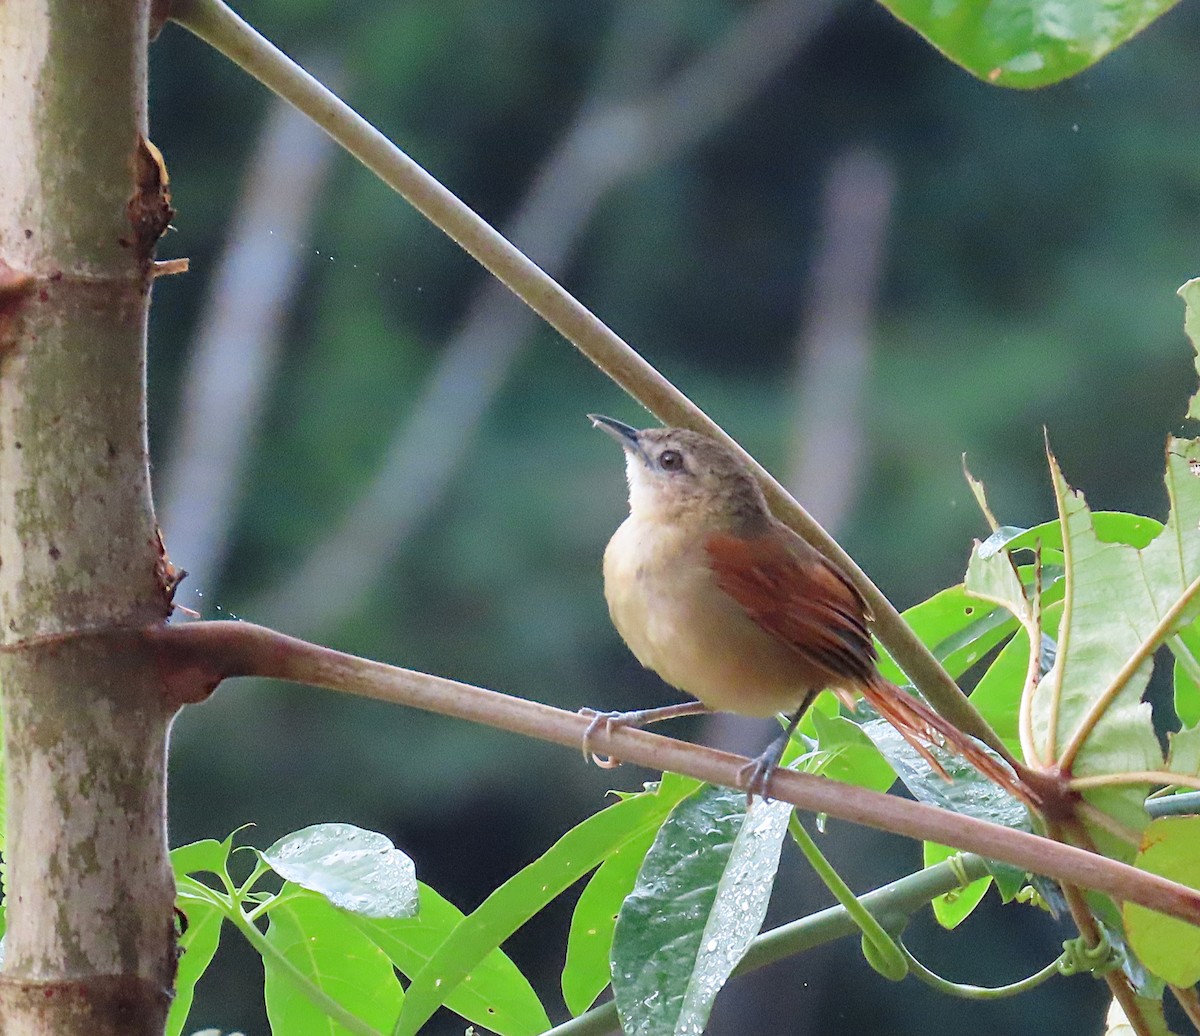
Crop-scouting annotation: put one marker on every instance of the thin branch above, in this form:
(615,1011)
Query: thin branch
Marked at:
(195,657)
(625,127)
(890,904)
(212,21)
(1116,981)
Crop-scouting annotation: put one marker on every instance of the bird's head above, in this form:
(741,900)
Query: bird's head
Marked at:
(683,477)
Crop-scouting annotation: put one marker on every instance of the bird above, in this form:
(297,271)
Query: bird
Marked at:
(730,606)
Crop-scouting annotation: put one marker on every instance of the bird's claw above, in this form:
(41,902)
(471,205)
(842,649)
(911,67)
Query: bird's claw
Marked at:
(602,721)
(756,776)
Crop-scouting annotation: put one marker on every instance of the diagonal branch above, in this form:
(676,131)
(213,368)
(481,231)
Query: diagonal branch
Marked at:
(623,129)
(193,658)
(215,23)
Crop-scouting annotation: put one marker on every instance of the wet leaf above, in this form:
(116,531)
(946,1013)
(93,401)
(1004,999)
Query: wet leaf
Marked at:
(699,901)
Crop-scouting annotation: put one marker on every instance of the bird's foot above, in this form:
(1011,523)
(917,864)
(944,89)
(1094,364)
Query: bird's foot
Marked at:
(605,721)
(639,718)
(755,776)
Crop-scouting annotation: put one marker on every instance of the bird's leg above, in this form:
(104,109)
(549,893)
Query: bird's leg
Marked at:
(639,718)
(756,775)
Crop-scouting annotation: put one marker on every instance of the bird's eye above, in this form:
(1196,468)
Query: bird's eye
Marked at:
(670,460)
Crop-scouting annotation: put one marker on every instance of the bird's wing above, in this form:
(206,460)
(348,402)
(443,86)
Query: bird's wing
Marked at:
(795,594)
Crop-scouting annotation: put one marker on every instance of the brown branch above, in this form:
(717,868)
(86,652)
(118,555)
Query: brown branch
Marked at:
(215,23)
(1117,982)
(195,657)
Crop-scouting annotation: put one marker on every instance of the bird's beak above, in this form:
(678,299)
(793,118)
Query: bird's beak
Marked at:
(626,435)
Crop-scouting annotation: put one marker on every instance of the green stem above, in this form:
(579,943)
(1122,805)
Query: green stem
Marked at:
(267,905)
(186,884)
(213,22)
(322,1000)
(880,949)
(1186,804)
(889,904)
(967,992)
(261,867)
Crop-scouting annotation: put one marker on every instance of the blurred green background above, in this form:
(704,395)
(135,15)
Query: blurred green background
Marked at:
(1028,249)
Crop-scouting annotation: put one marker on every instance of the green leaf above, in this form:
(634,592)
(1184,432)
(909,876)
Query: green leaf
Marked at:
(848,755)
(992,576)
(589,942)
(699,901)
(1184,755)
(197,946)
(494,994)
(1185,646)
(998,693)
(967,791)
(529,890)
(360,871)
(207,855)
(1026,43)
(1190,293)
(1168,947)
(1134,530)
(1120,604)
(955,627)
(953,908)
(325,947)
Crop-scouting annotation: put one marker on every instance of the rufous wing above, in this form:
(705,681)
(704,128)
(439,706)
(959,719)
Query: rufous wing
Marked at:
(795,594)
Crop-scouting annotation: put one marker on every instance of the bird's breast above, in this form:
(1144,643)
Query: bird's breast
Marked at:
(666,605)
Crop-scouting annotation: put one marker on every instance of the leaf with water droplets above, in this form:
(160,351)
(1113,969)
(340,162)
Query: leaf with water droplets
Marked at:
(699,900)
(360,871)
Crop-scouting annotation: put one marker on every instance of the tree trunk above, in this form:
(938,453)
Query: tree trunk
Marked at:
(90,946)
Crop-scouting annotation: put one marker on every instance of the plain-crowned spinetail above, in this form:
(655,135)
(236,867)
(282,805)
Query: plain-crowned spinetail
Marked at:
(729,605)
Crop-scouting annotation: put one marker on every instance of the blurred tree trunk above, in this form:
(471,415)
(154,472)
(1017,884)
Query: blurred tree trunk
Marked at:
(90,944)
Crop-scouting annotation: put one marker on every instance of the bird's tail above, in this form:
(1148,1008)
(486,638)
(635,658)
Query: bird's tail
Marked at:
(922,728)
